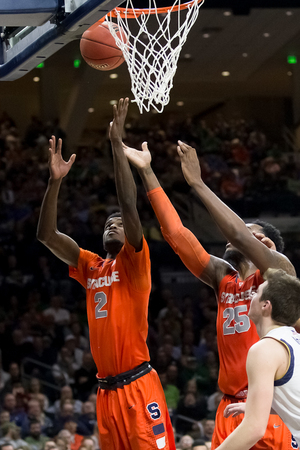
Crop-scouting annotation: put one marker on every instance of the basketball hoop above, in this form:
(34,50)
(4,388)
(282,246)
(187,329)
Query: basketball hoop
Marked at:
(152,46)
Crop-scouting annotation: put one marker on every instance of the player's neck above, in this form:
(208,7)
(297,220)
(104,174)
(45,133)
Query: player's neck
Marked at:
(113,249)
(246,269)
(266,326)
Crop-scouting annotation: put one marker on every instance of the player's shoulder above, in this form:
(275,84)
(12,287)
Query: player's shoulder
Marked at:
(90,257)
(264,351)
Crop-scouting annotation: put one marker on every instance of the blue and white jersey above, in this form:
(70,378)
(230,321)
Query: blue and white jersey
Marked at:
(286,400)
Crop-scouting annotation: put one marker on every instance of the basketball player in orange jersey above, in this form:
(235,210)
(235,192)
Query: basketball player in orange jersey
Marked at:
(131,408)
(249,253)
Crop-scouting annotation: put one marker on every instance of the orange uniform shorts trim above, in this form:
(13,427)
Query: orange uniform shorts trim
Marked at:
(135,417)
(277,435)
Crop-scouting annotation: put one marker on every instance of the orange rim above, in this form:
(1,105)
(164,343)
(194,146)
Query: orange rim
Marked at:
(130,13)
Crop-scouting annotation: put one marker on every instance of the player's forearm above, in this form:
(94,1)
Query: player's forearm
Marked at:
(243,437)
(149,179)
(125,184)
(47,224)
(230,224)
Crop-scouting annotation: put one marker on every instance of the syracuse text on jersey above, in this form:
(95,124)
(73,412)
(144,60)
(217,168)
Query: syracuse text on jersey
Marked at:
(94,283)
(227,297)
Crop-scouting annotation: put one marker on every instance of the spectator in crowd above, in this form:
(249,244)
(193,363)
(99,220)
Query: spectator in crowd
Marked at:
(71,426)
(88,419)
(66,393)
(10,405)
(88,443)
(75,352)
(172,393)
(60,314)
(186,442)
(63,439)
(95,437)
(85,376)
(4,376)
(208,429)
(49,445)
(34,414)
(11,435)
(4,418)
(35,393)
(192,408)
(14,376)
(63,371)
(35,439)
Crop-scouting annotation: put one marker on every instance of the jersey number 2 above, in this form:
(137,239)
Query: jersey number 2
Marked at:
(242,321)
(101,300)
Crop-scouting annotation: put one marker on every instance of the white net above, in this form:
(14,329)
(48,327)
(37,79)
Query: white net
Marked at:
(152,48)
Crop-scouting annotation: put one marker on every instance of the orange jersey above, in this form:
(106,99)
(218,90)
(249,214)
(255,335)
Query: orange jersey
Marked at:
(117,296)
(236,333)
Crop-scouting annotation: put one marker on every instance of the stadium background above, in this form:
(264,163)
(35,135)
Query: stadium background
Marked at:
(244,126)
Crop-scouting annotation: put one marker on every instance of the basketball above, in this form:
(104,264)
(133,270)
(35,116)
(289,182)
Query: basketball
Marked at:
(99,49)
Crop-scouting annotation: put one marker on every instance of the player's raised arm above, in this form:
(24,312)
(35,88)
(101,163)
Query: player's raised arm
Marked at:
(260,396)
(204,266)
(125,184)
(232,226)
(61,245)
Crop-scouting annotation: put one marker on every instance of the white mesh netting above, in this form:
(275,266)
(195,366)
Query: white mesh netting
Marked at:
(152,48)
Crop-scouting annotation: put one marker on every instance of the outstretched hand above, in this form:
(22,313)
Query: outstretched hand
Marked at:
(234,409)
(189,163)
(141,159)
(58,167)
(117,125)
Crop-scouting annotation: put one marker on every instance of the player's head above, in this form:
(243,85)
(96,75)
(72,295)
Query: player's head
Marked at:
(271,232)
(236,258)
(113,236)
(278,298)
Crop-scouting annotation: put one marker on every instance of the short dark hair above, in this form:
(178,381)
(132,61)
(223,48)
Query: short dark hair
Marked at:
(115,214)
(283,291)
(271,232)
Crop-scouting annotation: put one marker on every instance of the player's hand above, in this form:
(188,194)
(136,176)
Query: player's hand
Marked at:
(265,240)
(141,159)
(117,125)
(58,167)
(189,163)
(234,409)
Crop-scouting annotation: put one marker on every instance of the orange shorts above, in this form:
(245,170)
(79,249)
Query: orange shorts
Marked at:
(277,435)
(135,417)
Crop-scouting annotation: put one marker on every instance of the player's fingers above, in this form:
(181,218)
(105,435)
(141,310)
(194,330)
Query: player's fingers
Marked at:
(269,243)
(72,159)
(145,147)
(59,145)
(121,102)
(53,139)
(182,146)
(179,151)
(258,235)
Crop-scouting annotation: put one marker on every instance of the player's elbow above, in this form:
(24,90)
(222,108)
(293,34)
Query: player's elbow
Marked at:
(44,237)
(257,433)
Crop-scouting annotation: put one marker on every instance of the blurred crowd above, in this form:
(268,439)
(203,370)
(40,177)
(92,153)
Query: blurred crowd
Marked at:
(47,374)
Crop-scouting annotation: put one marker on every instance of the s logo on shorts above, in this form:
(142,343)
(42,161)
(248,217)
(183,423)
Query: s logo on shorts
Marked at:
(294,443)
(154,411)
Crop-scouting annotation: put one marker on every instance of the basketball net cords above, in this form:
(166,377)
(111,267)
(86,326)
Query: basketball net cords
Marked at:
(152,58)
